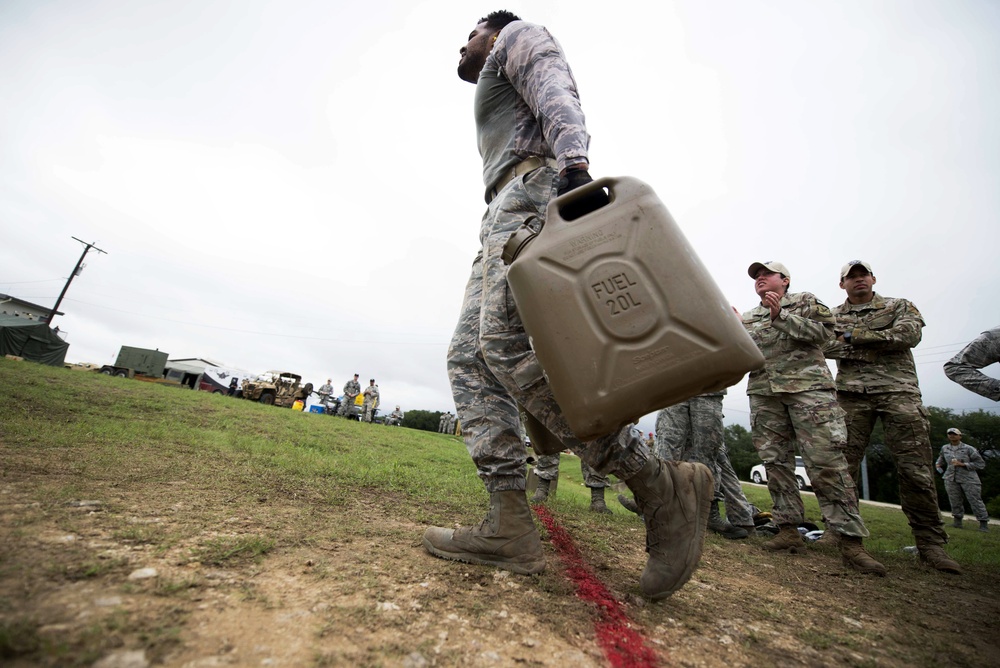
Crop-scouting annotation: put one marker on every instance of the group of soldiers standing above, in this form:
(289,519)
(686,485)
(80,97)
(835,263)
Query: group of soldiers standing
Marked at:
(352,388)
(447,423)
(795,401)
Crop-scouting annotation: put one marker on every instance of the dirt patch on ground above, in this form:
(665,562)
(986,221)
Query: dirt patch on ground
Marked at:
(130,573)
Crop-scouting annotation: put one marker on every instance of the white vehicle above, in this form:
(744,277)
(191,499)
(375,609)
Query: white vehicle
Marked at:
(759,474)
(216,379)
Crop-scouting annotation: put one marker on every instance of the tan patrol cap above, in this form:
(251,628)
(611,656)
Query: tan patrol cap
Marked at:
(846,269)
(770,265)
(954,430)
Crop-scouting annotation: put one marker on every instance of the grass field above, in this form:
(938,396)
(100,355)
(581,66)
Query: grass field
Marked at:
(127,474)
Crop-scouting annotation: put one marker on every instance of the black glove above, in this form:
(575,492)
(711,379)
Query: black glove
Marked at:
(593,201)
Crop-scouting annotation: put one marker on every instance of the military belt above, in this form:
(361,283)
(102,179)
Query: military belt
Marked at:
(523,167)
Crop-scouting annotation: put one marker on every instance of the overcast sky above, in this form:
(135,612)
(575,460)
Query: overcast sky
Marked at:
(295,185)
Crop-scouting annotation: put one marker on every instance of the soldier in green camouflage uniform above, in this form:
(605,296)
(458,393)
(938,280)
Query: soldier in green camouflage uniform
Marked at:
(792,401)
(877,380)
(533,140)
(351,390)
(964,368)
(692,431)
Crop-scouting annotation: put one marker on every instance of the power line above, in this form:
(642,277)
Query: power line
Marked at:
(275,334)
(46,280)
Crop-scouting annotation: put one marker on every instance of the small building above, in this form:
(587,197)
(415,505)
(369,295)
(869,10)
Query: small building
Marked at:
(19,308)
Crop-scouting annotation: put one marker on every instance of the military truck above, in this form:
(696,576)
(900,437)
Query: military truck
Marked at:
(272,387)
(137,361)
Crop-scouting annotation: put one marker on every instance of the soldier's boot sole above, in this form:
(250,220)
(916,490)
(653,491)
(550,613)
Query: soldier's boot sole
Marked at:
(674,500)
(506,539)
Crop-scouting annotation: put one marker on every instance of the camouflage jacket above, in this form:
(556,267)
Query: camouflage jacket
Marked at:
(964,368)
(371,393)
(792,345)
(352,388)
(878,358)
(527,103)
(964,453)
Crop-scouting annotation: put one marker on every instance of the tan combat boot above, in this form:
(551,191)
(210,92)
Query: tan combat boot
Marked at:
(673,498)
(935,557)
(788,538)
(856,556)
(597,504)
(507,538)
(830,538)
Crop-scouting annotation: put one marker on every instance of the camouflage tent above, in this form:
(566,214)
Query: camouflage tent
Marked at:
(31,339)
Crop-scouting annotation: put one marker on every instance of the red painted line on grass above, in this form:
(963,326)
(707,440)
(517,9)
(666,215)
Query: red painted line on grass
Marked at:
(622,643)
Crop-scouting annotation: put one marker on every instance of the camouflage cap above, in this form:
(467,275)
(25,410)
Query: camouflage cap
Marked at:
(770,265)
(954,430)
(846,269)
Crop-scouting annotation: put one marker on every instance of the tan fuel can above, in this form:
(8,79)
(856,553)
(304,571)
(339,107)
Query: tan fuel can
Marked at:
(621,313)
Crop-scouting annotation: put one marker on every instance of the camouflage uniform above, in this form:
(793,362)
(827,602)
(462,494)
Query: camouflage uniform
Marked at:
(395,417)
(324,392)
(792,401)
(547,468)
(877,379)
(964,368)
(442,422)
(526,106)
(959,480)
(370,402)
(351,390)
(739,510)
(692,431)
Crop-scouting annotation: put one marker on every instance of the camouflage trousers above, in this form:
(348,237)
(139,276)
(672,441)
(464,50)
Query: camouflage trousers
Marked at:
(547,468)
(692,431)
(492,367)
(729,490)
(905,423)
(368,407)
(345,406)
(973,492)
(814,421)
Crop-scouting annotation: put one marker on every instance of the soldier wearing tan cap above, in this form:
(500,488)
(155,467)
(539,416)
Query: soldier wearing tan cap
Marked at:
(877,380)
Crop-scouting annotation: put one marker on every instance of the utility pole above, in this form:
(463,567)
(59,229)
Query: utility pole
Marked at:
(76,271)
